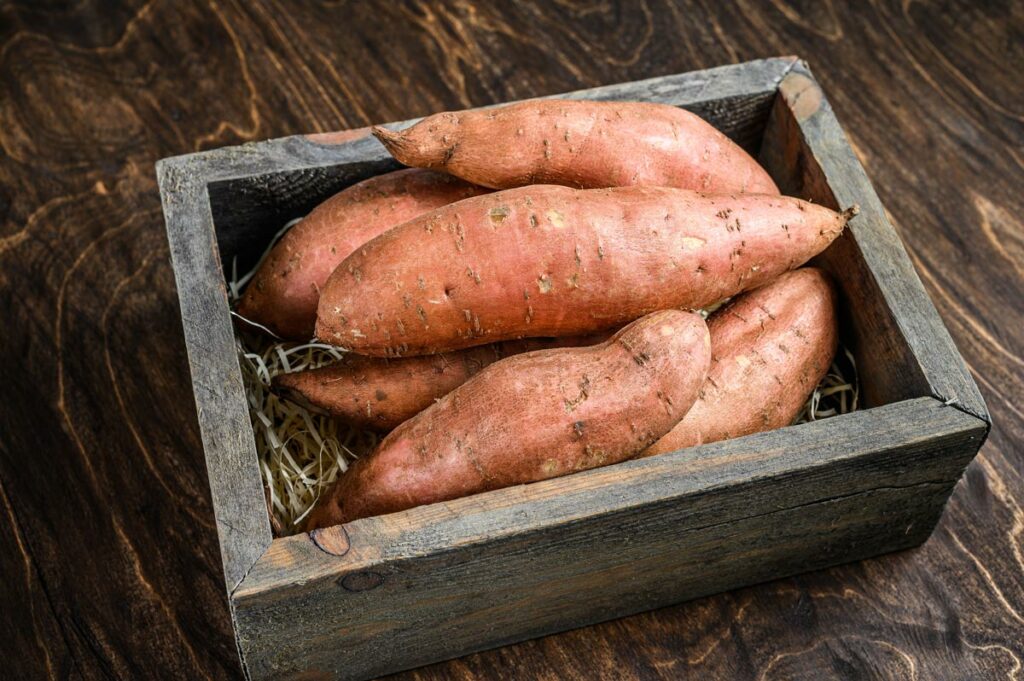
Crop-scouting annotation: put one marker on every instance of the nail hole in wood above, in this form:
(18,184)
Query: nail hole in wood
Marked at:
(362,581)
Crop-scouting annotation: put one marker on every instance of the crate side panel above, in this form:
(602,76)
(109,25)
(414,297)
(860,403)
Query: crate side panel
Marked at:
(889,268)
(542,558)
(450,605)
(243,525)
(888,370)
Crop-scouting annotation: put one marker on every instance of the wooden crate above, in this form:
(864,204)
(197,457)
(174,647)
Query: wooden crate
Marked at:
(402,590)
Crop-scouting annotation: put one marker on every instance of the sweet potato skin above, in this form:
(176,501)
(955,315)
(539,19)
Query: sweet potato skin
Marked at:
(531,417)
(582,144)
(284,292)
(770,348)
(379,394)
(553,261)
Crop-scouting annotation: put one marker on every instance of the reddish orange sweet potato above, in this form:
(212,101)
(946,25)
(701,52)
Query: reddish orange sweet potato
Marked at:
(378,393)
(283,294)
(553,261)
(581,144)
(770,348)
(531,417)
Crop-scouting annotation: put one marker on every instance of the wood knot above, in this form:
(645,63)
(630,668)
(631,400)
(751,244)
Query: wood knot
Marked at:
(361,581)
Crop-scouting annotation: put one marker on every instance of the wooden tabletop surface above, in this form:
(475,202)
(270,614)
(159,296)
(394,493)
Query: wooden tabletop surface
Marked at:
(107,550)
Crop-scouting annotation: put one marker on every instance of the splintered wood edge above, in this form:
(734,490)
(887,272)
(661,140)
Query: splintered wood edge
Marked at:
(915,315)
(809,449)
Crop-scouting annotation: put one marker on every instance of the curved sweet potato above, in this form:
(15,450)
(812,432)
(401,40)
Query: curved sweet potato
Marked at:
(553,261)
(531,417)
(770,348)
(378,393)
(581,144)
(283,293)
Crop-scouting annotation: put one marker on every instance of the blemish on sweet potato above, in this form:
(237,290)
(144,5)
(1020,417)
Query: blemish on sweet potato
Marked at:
(498,215)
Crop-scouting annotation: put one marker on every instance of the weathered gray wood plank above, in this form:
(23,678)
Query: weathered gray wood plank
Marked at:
(887,274)
(886,364)
(235,484)
(449,578)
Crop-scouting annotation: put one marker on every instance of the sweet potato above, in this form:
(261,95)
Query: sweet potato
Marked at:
(553,261)
(283,293)
(770,348)
(379,394)
(582,144)
(531,417)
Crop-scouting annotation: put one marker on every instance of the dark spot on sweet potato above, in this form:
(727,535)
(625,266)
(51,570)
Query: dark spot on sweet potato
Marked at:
(448,153)
(380,395)
(498,215)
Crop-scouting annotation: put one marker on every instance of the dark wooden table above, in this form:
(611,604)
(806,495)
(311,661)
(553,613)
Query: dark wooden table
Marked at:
(107,554)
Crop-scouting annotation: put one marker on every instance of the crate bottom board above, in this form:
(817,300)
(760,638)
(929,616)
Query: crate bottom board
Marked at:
(442,620)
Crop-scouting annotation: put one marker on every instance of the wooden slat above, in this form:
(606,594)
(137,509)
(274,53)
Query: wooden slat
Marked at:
(830,172)
(886,365)
(236,488)
(446,579)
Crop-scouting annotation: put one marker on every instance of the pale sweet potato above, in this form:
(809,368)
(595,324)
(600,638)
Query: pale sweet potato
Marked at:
(769,349)
(283,293)
(581,144)
(379,394)
(553,261)
(531,417)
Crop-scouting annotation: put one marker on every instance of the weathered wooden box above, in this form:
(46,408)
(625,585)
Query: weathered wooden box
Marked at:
(402,590)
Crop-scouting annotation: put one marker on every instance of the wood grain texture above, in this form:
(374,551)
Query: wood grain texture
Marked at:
(230,201)
(603,543)
(291,619)
(924,356)
(221,406)
(99,453)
